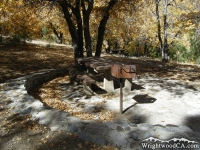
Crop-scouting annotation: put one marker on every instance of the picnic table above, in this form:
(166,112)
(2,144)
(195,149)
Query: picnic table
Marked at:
(103,65)
(118,51)
(110,69)
(99,65)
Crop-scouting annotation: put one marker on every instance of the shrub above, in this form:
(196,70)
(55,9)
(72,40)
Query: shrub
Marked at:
(194,47)
(178,53)
(153,51)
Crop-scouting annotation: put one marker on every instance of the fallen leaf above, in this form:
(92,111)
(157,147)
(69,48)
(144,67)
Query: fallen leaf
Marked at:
(80,145)
(52,145)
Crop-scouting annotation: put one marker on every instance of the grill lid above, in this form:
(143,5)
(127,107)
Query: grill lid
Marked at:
(123,71)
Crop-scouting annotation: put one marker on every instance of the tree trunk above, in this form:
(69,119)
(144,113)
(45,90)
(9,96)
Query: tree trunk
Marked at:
(86,17)
(165,55)
(158,25)
(80,28)
(102,27)
(72,29)
(59,36)
(100,37)
(1,38)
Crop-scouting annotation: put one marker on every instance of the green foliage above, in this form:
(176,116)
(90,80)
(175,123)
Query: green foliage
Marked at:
(47,34)
(178,53)
(131,48)
(153,51)
(135,48)
(195,48)
(142,48)
(44,31)
(13,40)
(16,39)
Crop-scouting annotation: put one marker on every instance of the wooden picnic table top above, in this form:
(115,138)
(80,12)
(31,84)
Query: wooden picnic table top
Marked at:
(94,59)
(97,63)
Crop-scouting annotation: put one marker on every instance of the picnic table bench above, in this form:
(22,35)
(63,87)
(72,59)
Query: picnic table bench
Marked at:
(99,65)
(120,51)
(117,51)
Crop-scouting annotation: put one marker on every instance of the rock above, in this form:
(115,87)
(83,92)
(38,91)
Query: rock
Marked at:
(173,128)
(101,141)
(111,125)
(134,136)
(185,129)
(93,131)
(117,139)
(119,129)
(27,110)
(144,126)
(158,127)
(127,128)
(72,128)
(97,125)
(135,146)
(132,125)
(148,134)
(123,124)
(85,137)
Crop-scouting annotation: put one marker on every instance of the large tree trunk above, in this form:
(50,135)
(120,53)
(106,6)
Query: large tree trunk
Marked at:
(59,36)
(102,27)
(77,45)
(86,17)
(165,55)
(80,28)
(163,43)
(158,25)
(76,32)
(101,32)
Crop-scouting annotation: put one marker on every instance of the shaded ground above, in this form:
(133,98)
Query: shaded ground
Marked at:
(21,60)
(22,133)
(19,132)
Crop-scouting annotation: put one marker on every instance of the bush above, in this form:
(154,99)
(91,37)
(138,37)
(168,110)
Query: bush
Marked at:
(153,51)
(194,47)
(13,40)
(131,48)
(178,53)
(134,48)
(197,60)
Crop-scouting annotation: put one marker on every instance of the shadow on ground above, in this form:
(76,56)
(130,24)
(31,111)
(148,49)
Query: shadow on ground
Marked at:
(144,99)
(193,122)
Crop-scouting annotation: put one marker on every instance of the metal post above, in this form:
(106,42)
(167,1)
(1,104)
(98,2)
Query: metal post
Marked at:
(121,97)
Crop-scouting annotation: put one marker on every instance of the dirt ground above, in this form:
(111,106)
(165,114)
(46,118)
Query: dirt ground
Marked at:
(19,132)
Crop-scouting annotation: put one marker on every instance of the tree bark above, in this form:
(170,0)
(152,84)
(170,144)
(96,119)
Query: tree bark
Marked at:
(158,25)
(86,17)
(59,36)
(80,28)
(102,27)
(76,28)
(165,55)
(162,42)
(76,33)
(72,28)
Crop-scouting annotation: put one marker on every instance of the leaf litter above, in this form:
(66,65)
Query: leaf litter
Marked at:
(22,60)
